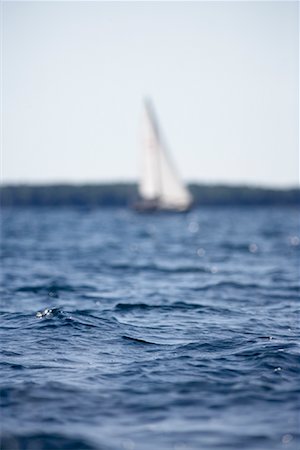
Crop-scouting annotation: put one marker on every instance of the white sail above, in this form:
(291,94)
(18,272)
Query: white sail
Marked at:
(149,186)
(173,191)
(159,181)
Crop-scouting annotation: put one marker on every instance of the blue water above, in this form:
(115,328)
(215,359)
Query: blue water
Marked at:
(166,332)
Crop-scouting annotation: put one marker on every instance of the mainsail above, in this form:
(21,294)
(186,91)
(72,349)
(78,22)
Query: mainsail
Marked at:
(159,184)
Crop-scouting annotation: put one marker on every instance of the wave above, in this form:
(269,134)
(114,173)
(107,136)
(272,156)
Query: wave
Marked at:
(42,288)
(177,305)
(45,441)
(159,268)
(139,340)
(78,319)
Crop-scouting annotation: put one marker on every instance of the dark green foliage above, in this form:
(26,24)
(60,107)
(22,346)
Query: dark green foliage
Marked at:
(243,195)
(68,195)
(124,194)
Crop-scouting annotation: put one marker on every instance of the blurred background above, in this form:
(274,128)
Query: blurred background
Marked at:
(223,77)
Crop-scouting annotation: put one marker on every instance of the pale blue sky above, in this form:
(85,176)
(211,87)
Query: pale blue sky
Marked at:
(223,77)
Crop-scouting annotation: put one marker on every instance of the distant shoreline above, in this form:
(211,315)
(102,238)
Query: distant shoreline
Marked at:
(123,194)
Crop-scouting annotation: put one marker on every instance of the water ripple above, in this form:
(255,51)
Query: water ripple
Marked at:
(126,332)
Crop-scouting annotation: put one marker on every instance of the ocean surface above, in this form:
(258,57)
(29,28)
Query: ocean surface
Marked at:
(141,332)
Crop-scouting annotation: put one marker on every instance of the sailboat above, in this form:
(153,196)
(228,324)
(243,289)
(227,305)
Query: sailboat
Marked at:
(160,187)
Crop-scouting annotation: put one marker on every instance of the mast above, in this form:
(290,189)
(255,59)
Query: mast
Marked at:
(156,131)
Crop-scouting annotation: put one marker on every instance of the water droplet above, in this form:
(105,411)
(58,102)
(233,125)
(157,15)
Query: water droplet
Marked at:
(214,269)
(287,438)
(53,294)
(253,248)
(193,227)
(180,447)
(46,313)
(152,229)
(294,241)
(128,444)
(134,248)
(152,427)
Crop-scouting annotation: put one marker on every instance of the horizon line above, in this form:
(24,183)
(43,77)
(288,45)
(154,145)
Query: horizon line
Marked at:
(74,183)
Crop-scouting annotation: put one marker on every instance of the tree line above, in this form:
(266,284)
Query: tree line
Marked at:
(125,194)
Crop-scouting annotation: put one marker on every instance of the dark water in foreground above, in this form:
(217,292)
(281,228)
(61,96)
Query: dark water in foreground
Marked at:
(168,332)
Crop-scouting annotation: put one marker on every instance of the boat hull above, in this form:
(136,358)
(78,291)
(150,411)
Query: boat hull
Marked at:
(156,207)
